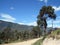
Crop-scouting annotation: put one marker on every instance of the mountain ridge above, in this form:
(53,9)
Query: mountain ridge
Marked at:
(14,26)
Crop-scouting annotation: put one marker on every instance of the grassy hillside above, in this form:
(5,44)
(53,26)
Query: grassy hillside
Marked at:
(54,34)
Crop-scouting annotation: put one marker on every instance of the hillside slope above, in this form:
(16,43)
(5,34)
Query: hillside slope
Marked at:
(50,41)
(14,26)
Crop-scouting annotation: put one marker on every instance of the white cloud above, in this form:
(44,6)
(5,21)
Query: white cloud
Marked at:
(56,23)
(32,23)
(56,8)
(49,25)
(7,17)
(8,20)
(21,23)
(44,1)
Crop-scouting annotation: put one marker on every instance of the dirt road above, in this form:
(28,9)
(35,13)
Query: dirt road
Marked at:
(50,41)
(28,42)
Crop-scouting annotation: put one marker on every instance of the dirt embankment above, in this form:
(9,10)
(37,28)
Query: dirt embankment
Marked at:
(51,41)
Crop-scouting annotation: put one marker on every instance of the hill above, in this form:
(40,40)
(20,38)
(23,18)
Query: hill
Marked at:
(14,26)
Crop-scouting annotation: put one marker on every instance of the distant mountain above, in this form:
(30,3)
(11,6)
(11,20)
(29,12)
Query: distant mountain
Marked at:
(14,26)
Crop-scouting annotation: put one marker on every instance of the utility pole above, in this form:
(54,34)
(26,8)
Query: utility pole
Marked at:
(52,24)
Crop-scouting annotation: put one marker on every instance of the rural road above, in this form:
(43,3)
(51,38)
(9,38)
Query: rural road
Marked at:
(28,42)
(50,41)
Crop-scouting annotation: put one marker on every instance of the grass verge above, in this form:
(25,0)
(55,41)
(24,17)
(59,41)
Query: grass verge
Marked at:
(39,42)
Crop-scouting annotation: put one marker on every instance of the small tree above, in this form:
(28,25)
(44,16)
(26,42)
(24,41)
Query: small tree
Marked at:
(36,32)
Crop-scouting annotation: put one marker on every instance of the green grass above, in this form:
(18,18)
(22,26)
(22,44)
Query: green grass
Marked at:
(55,34)
(39,42)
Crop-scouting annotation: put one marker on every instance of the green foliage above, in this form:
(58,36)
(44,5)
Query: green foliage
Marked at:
(55,34)
(39,42)
(36,31)
(7,35)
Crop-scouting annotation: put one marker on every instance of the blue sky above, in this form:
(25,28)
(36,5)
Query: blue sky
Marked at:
(26,11)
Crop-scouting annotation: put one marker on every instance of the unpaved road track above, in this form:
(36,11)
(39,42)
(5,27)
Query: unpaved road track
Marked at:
(28,42)
(50,41)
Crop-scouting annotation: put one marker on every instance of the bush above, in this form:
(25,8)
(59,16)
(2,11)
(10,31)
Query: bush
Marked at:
(55,34)
(1,41)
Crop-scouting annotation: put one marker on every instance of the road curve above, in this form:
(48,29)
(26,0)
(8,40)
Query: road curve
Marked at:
(28,42)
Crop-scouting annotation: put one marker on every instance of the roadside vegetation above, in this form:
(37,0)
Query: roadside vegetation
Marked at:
(39,42)
(55,34)
(9,36)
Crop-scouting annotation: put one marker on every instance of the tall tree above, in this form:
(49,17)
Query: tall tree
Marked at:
(45,12)
(36,32)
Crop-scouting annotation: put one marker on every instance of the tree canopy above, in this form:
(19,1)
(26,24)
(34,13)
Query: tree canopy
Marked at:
(44,13)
